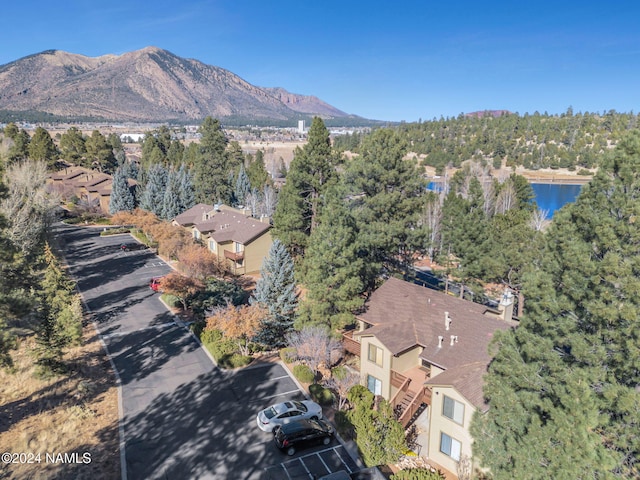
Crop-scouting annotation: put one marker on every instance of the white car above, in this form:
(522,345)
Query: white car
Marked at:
(281,413)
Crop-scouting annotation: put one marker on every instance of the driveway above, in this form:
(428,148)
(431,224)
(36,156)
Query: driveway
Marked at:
(181,416)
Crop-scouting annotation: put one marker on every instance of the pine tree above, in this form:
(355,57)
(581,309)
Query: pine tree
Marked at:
(256,171)
(389,196)
(99,153)
(276,291)
(121,197)
(211,167)
(60,312)
(567,379)
(42,148)
(311,172)
(333,268)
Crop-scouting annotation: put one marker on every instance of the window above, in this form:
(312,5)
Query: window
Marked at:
(374,385)
(212,246)
(375,354)
(450,446)
(453,410)
(239,247)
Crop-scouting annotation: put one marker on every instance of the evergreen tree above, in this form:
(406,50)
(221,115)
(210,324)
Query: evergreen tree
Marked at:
(567,379)
(42,148)
(185,189)
(276,291)
(60,312)
(152,197)
(243,187)
(333,268)
(72,146)
(211,167)
(19,150)
(121,197)
(389,195)
(100,153)
(171,206)
(312,171)
(257,172)
(175,154)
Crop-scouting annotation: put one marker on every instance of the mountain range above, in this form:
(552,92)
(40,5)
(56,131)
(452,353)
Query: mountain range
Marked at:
(147,85)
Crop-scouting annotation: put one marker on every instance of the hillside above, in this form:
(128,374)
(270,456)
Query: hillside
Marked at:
(147,85)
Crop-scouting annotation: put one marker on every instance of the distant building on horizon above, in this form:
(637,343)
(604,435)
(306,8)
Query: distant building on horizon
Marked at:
(300,126)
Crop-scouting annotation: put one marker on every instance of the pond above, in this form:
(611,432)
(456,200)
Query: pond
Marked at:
(548,196)
(554,196)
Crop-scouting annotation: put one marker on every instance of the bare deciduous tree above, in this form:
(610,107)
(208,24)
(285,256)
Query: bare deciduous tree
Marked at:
(315,347)
(506,199)
(431,218)
(538,219)
(29,204)
(341,382)
(269,200)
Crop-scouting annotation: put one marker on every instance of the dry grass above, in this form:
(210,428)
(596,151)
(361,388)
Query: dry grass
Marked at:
(76,413)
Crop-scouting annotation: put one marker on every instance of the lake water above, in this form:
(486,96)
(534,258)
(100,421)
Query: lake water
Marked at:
(548,196)
(554,196)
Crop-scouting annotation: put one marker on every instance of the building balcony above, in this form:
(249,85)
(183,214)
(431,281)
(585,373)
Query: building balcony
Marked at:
(235,256)
(350,345)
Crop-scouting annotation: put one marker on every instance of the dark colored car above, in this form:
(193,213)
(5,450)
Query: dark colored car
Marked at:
(293,436)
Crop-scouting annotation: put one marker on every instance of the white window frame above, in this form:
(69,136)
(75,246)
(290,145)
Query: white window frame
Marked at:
(456,409)
(450,446)
(377,385)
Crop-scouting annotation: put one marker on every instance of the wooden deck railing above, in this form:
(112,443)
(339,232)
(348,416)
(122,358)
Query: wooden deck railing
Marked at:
(350,345)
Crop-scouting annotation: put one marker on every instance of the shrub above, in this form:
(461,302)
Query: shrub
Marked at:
(222,347)
(344,426)
(288,354)
(303,373)
(171,300)
(114,231)
(320,395)
(418,474)
(234,360)
(209,337)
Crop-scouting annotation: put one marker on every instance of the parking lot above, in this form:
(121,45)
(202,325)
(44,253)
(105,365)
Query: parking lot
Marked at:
(313,465)
(182,417)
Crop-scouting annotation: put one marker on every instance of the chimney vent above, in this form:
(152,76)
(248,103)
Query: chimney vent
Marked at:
(454,338)
(440,339)
(447,320)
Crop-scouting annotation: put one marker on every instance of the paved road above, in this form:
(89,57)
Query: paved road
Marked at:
(183,418)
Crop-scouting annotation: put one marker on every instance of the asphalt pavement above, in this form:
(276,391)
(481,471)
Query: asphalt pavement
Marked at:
(182,417)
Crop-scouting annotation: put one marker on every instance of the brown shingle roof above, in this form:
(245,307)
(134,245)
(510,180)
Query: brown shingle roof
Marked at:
(226,226)
(467,380)
(193,215)
(404,315)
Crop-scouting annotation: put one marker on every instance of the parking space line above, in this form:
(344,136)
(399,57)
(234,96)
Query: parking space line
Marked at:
(285,471)
(342,460)
(325,465)
(278,378)
(280,394)
(305,467)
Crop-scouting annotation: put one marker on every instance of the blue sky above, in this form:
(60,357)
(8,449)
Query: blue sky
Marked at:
(404,60)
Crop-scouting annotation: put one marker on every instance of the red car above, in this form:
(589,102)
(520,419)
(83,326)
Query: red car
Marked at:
(154,284)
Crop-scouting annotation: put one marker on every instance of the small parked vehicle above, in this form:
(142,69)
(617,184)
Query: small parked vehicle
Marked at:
(293,436)
(285,412)
(126,247)
(154,284)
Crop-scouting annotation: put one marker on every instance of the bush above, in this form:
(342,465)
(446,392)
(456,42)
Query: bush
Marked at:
(221,348)
(320,395)
(171,300)
(288,354)
(114,231)
(209,337)
(344,426)
(303,373)
(235,360)
(418,474)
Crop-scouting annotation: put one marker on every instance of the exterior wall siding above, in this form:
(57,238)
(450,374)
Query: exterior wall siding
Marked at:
(441,424)
(256,251)
(367,367)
